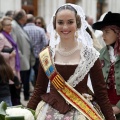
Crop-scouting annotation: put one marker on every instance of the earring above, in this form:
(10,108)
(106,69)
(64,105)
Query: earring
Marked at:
(56,36)
(76,34)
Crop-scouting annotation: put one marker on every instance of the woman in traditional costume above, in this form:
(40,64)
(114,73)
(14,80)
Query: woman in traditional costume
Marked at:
(66,64)
(110,57)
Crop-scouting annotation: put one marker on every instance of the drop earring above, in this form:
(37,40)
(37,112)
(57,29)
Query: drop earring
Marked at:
(76,34)
(56,36)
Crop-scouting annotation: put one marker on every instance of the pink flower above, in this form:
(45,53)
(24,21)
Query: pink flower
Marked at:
(67,118)
(49,117)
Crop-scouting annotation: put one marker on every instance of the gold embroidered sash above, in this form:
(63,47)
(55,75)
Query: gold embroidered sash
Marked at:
(68,93)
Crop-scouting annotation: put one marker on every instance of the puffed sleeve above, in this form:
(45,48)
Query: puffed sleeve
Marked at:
(40,89)
(100,90)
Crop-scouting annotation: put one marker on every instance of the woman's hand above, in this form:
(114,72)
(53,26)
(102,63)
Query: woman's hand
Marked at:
(87,96)
(116,110)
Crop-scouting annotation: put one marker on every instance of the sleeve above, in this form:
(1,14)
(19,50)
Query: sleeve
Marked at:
(16,81)
(100,90)
(40,89)
(14,35)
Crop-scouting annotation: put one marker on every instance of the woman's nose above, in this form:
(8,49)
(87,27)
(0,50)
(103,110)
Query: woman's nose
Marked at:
(65,26)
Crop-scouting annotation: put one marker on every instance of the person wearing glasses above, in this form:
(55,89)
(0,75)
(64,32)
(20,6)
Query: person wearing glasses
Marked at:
(39,21)
(38,39)
(9,50)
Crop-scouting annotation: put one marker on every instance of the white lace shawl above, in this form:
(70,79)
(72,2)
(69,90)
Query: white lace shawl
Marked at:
(88,57)
(83,35)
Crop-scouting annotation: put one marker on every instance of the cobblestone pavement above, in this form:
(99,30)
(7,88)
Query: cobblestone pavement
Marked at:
(23,102)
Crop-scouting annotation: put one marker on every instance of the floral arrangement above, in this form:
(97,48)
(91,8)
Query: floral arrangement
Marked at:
(16,112)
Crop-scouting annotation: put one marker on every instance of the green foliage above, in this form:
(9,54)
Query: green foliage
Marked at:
(3,107)
(14,118)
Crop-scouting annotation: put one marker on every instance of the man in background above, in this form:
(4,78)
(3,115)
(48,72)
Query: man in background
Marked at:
(38,39)
(23,41)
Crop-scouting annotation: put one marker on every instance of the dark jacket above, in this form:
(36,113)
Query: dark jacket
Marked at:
(57,101)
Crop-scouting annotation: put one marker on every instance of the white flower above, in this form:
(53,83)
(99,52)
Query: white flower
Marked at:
(20,112)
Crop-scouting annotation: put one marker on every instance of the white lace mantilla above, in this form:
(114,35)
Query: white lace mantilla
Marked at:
(88,57)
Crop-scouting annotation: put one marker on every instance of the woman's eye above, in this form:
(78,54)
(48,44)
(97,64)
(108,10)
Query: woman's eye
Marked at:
(60,22)
(70,22)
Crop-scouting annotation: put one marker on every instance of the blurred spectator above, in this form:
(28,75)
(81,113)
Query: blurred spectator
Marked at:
(39,21)
(10,13)
(99,33)
(96,43)
(27,59)
(110,57)
(5,74)
(9,50)
(89,20)
(91,32)
(38,39)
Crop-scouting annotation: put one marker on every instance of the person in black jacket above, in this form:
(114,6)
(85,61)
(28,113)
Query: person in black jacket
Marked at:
(6,74)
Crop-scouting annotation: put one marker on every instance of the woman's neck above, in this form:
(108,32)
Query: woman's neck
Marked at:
(68,45)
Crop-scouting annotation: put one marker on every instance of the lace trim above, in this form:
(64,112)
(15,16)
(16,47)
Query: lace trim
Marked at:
(111,53)
(62,63)
(88,57)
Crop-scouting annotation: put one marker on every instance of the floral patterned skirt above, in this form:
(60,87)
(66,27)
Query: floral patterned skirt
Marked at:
(46,112)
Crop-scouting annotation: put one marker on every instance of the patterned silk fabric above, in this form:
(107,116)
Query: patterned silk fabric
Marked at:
(111,78)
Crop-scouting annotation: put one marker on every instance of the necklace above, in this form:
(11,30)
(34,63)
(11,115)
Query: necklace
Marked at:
(63,53)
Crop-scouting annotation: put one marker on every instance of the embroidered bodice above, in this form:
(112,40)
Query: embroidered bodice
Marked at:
(88,56)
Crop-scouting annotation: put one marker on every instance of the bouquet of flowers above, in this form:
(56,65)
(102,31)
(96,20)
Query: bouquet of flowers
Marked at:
(16,112)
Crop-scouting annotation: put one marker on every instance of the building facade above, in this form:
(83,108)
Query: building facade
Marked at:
(6,5)
(45,8)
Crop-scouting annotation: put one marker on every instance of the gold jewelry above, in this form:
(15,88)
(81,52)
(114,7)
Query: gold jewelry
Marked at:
(56,36)
(76,34)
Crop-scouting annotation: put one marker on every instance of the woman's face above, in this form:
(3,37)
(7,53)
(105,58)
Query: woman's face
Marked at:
(38,22)
(109,36)
(66,24)
(7,26)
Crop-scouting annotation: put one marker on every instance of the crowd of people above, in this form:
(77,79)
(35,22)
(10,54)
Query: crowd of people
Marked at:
(21,40)
(64,56)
